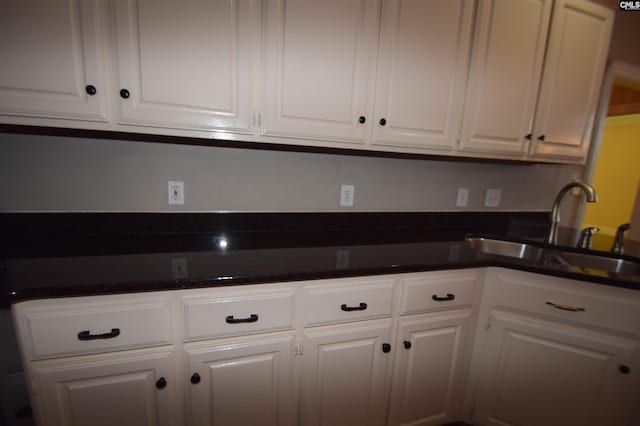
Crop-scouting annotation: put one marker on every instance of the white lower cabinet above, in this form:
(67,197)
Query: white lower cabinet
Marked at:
(551,351)
(344,374)
(246,381)
(429,370)
(394,349)
(538,372)
(130,388)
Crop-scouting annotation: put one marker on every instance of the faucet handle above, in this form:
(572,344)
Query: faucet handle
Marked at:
(618,246)
(586,237)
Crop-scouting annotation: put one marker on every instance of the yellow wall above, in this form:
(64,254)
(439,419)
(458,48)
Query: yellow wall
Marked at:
(616,176)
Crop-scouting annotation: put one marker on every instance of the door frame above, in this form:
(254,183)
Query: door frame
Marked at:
(614,70)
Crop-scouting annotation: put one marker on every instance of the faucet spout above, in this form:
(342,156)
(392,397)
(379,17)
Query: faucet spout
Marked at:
(589,192)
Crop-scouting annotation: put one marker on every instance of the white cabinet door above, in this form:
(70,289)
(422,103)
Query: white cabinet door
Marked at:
(344,374)
(247,381)
(429,369)
(422,72)
(537,372)
(130,388)
(184,64)
(575,61)
(505,75)
(51,54)
(317,68)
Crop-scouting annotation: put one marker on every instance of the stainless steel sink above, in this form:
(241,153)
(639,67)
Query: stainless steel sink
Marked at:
(503,248)
(601,263)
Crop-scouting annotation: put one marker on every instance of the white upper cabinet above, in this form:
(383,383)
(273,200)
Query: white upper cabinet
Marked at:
(572,77)
(317,68)
(183,64)
(422,72)
(505,75)
(52,60)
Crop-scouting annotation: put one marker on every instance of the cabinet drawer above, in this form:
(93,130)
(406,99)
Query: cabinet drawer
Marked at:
(580,302)
(214,315)
(347,301)
(81,326)
(437,291)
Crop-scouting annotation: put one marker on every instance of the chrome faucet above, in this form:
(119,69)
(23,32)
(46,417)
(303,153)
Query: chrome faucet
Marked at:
(589,192)
(618,246)
(586,236)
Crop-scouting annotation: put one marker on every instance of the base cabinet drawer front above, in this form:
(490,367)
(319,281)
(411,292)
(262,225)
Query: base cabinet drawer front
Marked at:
(437,291)
(234,314)
(347,300)
(430,369)
(603,307)
(246,381)
(345,373)
(72,327)
(130,388)
(538,372)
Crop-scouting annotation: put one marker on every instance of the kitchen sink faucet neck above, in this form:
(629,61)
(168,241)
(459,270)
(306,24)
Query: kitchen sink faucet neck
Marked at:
(590,193)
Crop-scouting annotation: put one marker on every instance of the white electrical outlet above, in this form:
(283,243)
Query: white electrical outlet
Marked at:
(176,192)
(463,197)
(347,193)
(492,197)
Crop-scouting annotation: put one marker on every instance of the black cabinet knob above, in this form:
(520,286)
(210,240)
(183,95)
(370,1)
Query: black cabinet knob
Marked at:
(407,344)
(91,90)
(541,138)
(161,383)
(386,348)
(528,137)
(362,119)
(624,369)
(195,379)
(383,121)
(124,94)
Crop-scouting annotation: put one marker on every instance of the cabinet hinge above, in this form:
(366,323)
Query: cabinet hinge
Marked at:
(488,326)
(459,139)
(472,412)
(298,349)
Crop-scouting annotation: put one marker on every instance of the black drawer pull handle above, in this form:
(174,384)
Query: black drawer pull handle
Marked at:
(195,378)
(407,344)
(231,320)
(360,307)
(86,335)
(624,369)
(161,383)
(448,297)
(386,348)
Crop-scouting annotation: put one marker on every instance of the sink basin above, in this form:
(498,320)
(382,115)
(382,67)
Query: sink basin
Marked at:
(503,248)
(602,263)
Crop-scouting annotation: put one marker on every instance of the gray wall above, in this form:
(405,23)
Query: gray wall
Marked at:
(65,174)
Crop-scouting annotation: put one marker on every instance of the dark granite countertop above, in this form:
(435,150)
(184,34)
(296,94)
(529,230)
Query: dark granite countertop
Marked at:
(89,255)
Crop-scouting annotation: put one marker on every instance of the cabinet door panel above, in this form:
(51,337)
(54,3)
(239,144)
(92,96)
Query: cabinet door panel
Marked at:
(429,374)
(537,372)
(344,375)
(505,75)
(422,72)
(317,68)
(243,382)
(185,65)
(107,390)
(50,52)
(576,57)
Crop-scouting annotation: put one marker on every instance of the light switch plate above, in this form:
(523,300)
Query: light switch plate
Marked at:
(492,197)
(176,192)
